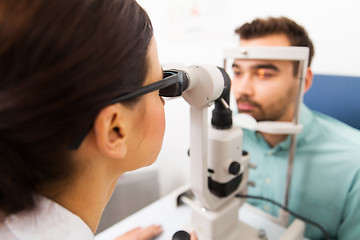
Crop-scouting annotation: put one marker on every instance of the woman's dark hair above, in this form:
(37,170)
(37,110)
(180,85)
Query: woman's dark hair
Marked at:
(61,62)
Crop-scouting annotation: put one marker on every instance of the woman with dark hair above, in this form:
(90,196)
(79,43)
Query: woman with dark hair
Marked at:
(64,139)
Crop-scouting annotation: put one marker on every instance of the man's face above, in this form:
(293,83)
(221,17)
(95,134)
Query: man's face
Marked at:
(266,90)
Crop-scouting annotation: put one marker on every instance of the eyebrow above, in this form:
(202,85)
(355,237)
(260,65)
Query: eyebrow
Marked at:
(260,66)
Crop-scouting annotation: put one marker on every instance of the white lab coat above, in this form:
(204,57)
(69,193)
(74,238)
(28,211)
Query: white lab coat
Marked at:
(49,221)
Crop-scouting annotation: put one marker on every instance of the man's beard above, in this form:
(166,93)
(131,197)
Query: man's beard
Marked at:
(272,112)
(257,113)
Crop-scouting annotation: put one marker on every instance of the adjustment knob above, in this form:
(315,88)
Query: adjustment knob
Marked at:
(234,168)
(181,235)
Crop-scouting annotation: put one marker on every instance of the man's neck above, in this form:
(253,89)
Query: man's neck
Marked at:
(274,139)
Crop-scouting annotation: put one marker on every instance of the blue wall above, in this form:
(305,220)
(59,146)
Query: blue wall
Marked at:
(337,96)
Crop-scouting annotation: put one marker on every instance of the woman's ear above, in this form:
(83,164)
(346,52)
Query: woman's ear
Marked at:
(308,80)
(110,131)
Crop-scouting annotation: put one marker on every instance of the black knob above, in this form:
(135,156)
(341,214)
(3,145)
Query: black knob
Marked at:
(181,235)
(234,168)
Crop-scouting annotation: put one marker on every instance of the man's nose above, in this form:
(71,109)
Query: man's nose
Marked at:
(243,85)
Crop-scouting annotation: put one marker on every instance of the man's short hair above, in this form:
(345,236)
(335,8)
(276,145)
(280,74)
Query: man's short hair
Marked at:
(261,27)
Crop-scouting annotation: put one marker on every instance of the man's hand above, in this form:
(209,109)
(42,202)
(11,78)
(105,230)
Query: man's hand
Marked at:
(140,233)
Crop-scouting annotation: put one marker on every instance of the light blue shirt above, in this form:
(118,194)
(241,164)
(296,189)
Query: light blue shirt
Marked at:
(325,185)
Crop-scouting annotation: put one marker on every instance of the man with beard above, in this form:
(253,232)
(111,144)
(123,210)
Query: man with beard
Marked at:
(325,184)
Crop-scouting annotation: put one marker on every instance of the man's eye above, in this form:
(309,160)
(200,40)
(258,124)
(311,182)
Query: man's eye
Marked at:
(262,74)
(237,73)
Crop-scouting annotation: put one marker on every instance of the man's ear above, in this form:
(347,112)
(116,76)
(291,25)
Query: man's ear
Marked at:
(110,132)
(308,80)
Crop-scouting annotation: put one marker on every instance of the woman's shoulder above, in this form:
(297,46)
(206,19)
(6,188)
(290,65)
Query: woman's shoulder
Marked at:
(5,232)
(49,219)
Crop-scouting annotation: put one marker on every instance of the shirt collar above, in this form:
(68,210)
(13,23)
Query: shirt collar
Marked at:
(48,221)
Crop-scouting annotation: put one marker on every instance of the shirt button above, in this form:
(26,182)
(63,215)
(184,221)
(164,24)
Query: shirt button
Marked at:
(266,207)
(269,154)
(267,180)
